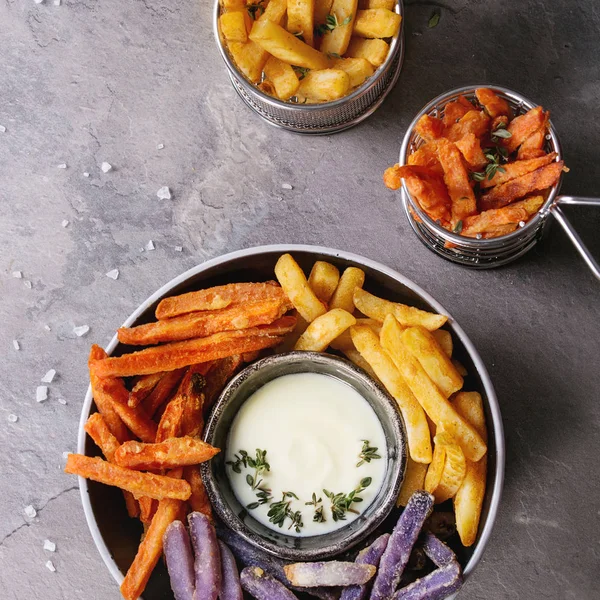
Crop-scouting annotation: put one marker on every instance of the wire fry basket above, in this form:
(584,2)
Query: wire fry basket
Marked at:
(326,117)
(498,251)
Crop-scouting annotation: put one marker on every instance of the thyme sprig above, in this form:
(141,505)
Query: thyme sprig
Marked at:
(302,72)
(367,454)
(258,463)
(281,510)
(496,156)
(501,133)
(331,22)
(263,495)
(342,503)
(318,516)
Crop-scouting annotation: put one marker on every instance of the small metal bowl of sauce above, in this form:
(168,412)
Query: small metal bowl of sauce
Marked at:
(313,454)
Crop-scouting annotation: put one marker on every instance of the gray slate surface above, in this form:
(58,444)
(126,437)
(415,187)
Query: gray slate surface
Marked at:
(88,82)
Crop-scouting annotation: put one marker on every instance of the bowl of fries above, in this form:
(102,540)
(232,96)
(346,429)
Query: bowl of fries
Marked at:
(311,67)
(140,445)
(480,170)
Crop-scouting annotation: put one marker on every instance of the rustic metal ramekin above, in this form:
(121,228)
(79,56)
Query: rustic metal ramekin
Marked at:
(493,252)
(326,117)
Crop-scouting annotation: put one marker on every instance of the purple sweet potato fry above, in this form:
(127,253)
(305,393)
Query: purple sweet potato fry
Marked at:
(207,564)
(371,555)
(401,542)
(230,585)
(249,555)
(180,560)
(264,587)
(437,551)
(331,573)
(439,584)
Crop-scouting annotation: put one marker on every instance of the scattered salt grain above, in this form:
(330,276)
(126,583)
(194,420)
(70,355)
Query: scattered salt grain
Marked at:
(17,274)
(286,186)
(2,128)
(106,167)
(62,165)
(164,193)
(50,546)
(66,455)
(150,245)
(30,512)
(50,566)
(160,146)
(521,223)
(178,248)
(86,174)
(49,376)
(62,401)
(12,418)
(47,328)
(65,223)
(38,1)
(16,345)
(478,236)
(41,393)
(141,249)
(27,284)
(56,2)
(81,330)
(114,274)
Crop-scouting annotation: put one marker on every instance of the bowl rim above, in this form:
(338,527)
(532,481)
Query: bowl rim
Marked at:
(386,497)
(498,476)
(450,236)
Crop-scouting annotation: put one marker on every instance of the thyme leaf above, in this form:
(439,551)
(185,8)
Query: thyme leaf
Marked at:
(342,503)
(434,19)
(367,454)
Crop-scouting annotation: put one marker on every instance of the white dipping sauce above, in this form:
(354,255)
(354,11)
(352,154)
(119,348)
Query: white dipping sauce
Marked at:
(312,427)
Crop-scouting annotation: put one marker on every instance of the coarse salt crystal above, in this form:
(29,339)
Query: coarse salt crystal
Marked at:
(47,328)
(38,1)
(86,174)
(17,274)
(50,566)
(50,546)
(30,512)
(178,248)
(106,167)
(286,186)
(62,401)
(160,146)
(114,274)
(41,393)
(56,2)
(62,165)
(16,345)
(478,236)
(150,245)
(2,128)
(66,455)
(12,418)
(164,193)
(49,376)
(65,223)
(521,223)
(81,330)
(27,284)
(141,249)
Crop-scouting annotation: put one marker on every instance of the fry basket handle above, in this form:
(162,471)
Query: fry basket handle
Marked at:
(560,216)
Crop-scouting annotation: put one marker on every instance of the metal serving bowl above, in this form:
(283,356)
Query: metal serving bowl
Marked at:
(493,252)
(117,536)
(326,117)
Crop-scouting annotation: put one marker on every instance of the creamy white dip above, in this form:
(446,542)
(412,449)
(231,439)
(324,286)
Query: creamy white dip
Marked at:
(313,429)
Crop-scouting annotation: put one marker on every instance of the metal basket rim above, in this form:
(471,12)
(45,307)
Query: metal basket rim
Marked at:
(395,46)
(474,243)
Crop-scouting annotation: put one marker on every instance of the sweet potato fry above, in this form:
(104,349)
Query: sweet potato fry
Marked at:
(198,500)
(523,126)
(218,376)
(323,280)
(474,121)
(148,508)
(98,430)
(131,505)
(192,386)
(470,148)
(170,421)
(162,391)
(429,128)
(378,309)
(218,297)
(540,179)
(150,549)
(143,484)
(202,324)
(143,388)
(493,220)
(515,169)
(457,181)
(180,354)
(103,402)
(493,104)
(533,146)
(454,111)
(351,278)
(171,453)
(426,156)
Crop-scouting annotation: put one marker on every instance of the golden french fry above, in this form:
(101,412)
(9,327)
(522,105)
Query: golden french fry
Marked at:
(294,283)
(378,308)
(300,18)
(436,468)
(249,58)
(376,23)
(440,411)
(375,51)
(323,279)
(283,77)
(234,25)
(233,5)
(275,11)
(469,497)
(351,279)
(414,479)
(367,343)
(389,4)
(358,69)
(336,41)
(322,9)
(444,339)
(460,367)
(324,329)
(324,85)
(454,469)
(356,357)
(344,341)
(425,348)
